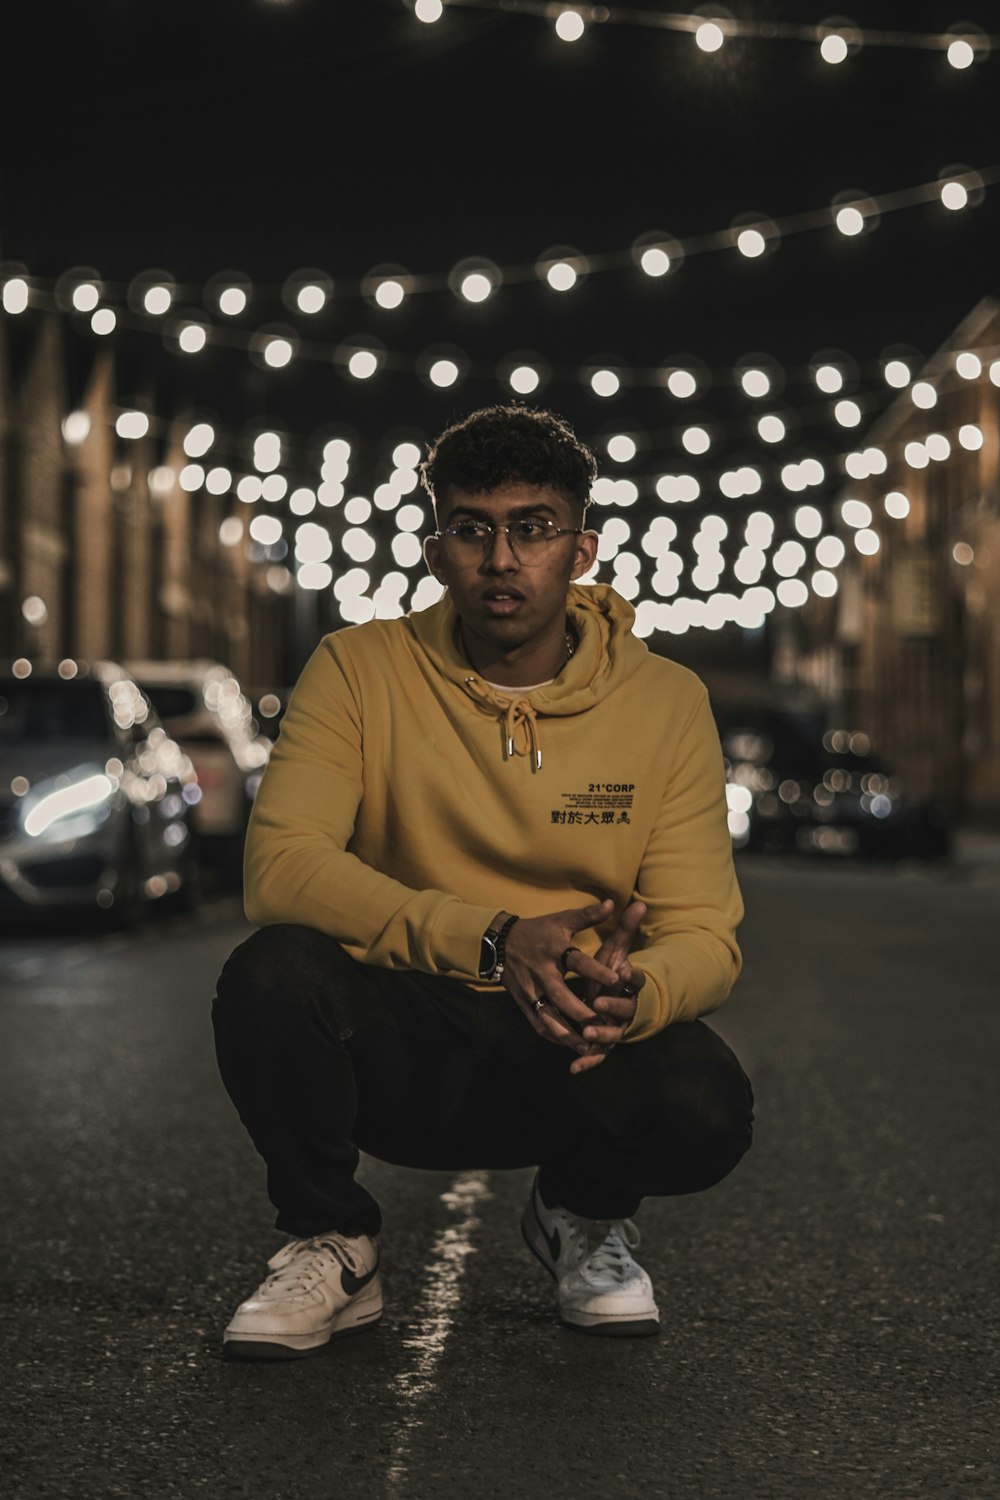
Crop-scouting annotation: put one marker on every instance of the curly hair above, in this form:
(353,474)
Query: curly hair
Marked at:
(505,445)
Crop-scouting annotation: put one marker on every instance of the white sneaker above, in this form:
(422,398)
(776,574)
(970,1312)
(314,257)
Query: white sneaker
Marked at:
(318,1288)
(600,1287)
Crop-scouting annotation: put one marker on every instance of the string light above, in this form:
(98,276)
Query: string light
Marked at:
(605,383)
(443,373)
(755,383)
(961,54)
(969,365)
(232,301)
(829,379)
(132,425)
(655,261)
(198,439)
(751,243)
(561,276)
(850,220)
(85,297)
(897,373)
(833,48)
(360,543)
(696,440)
(847,413)
(192,338)
(152,294)
(569,26)
(621,448)
(362,364)
(76,428)
(855,513)
(962,45)
(277,352)
(524,379)
(771,428)
(709,36)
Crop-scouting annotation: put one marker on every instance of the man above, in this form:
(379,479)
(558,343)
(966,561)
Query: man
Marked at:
(466,806)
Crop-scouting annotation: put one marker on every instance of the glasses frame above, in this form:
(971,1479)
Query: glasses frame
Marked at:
(491,533)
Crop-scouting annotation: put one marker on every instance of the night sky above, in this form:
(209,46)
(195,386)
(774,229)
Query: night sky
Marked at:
(273,135)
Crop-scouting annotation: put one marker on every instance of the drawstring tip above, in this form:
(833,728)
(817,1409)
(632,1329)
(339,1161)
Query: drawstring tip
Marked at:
(510,749)
(538,760)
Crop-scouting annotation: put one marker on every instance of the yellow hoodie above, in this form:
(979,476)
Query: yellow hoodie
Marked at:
(407,802)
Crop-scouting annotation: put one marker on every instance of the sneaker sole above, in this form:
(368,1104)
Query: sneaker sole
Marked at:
(361,1314)
(641,1327)
(600,1326)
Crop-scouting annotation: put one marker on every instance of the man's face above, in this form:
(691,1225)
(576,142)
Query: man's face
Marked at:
(500,598)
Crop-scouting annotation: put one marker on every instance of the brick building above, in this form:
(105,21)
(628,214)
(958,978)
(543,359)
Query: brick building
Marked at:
(102,552)
(909,647)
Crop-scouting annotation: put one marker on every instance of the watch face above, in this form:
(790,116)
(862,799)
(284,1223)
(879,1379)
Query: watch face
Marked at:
(487,957)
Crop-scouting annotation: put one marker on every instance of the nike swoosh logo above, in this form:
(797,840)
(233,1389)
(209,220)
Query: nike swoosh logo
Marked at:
(352,1283)
(553,1242)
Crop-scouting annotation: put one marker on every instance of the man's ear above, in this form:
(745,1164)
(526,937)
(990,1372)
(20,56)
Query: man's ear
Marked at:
(585,554)
(432,557)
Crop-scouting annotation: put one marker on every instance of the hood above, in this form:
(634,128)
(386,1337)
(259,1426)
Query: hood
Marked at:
(607,654)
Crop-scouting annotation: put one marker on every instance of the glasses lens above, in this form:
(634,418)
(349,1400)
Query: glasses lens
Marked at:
(527,539)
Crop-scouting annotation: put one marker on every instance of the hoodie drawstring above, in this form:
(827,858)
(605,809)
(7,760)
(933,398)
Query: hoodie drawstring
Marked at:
(520,728)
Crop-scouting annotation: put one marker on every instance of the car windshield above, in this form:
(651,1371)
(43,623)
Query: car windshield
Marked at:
(170,701)
(32,710)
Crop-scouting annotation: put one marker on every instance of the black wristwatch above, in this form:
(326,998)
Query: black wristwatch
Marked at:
(491,947)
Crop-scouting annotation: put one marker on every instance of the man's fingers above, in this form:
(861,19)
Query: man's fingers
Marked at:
(588,916)
(589,1060)
(550,1025)
(631,918)
(604,1036)
(566,1006)
(620,1008)
(615,949)
(593,969)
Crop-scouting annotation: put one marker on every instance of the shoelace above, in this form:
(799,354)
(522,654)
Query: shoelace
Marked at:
(600,1245)
(297,1265)
(610,1243)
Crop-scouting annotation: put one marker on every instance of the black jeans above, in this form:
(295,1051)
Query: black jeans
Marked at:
(324,1056)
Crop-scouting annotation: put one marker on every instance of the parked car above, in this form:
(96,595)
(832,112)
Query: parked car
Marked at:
(795,784)
(203,706)
(96,799)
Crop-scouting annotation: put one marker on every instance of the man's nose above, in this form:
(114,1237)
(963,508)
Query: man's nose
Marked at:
(499,552)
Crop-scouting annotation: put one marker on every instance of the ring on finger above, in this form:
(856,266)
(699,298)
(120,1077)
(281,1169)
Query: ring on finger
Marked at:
(537,1005)
(564,957)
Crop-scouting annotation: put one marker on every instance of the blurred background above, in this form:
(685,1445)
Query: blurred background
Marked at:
(256,254)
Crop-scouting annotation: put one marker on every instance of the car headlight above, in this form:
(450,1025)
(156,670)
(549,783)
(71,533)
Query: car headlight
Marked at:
(78,806)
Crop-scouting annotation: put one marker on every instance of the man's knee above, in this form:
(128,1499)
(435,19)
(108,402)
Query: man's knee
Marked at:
(706,1101)
(284,968)
(276,959)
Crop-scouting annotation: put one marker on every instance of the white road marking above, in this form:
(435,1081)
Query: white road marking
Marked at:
(435,1313)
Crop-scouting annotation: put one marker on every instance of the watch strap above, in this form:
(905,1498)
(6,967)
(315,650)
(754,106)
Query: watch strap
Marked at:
(494,941)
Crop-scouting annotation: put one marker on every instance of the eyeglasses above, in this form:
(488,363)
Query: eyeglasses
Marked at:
(527,539)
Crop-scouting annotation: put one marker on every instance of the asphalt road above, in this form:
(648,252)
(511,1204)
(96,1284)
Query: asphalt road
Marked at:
(830,1312)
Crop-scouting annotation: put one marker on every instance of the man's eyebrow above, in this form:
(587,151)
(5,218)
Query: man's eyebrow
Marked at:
(517,514)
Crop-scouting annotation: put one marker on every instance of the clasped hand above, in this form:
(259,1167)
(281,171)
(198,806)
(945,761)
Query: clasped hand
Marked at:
(539,953)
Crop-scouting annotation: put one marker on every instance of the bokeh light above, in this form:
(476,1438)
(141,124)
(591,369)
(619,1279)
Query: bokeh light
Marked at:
(569,26)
